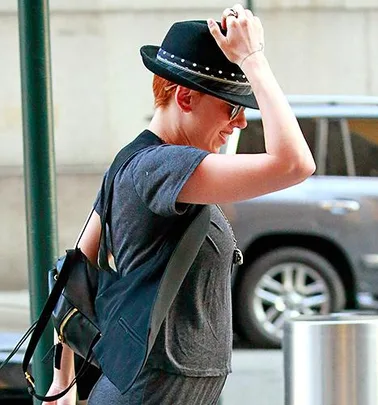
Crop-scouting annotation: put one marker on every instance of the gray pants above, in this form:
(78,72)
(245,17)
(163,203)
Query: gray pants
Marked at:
(157,387)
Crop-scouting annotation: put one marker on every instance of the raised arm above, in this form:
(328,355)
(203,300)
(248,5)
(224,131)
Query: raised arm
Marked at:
(287,161)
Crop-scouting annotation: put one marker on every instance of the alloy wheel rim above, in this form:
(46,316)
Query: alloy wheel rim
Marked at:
(288,290)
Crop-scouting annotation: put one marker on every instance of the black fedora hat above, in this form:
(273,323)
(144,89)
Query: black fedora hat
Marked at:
(189,56)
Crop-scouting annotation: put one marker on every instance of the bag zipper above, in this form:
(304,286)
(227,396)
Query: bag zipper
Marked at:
(64,323)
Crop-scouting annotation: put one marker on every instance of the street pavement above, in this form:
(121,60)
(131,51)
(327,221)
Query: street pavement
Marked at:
(257,377)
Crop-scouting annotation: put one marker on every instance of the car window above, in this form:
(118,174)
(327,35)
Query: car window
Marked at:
(341,147)
(364,134)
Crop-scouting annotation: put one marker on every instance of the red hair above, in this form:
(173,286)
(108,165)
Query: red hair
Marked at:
(163,91)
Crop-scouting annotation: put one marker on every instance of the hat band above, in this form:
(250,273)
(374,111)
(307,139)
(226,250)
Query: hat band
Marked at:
(216,80)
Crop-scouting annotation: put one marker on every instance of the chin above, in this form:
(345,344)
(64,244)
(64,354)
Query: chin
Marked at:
(211,148)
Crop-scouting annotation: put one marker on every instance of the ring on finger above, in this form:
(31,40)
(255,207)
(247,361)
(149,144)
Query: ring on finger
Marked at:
(232,13)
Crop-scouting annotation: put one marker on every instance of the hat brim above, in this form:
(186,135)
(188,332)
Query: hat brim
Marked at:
(149,52)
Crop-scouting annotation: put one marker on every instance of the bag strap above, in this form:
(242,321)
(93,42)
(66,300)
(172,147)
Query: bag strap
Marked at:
(84,367)
(177,268)
(44,319)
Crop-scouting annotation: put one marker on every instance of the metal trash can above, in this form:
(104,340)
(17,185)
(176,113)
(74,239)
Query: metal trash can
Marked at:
(331,359)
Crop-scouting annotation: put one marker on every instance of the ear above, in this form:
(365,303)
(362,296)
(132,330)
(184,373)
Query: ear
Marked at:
(184,98)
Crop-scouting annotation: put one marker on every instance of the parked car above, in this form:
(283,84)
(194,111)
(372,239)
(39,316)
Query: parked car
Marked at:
(312,248)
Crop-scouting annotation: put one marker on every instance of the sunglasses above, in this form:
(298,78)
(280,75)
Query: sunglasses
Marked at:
(236,109)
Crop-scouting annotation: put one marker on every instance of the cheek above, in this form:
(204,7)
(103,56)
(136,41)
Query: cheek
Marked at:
(212,121)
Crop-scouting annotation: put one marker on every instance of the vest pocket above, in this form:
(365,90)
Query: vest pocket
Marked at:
(130,331)
(120,354)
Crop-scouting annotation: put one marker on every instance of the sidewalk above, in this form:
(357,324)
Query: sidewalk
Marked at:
(14,311)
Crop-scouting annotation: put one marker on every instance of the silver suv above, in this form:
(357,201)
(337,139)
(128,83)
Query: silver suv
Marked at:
(312,248)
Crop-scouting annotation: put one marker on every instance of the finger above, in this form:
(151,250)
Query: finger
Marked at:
(248,13)
(216,32)
(240,10)
(227,13)
(257,21)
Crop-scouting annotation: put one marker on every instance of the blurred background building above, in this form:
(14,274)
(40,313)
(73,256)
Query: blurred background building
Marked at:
(102,92)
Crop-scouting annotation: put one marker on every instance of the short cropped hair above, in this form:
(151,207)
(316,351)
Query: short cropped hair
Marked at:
(163,90)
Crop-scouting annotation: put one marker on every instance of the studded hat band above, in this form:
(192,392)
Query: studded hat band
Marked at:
(228,82)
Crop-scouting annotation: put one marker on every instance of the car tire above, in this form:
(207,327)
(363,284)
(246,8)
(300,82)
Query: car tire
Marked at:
(266,297)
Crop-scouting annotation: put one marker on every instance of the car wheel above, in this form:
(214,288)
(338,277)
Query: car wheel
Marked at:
(282,284)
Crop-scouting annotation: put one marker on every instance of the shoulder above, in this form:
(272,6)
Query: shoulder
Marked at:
(166,150)
(158,174)
(166,156)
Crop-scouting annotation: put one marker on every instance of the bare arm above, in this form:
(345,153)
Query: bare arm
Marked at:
(287,161)
(89,242)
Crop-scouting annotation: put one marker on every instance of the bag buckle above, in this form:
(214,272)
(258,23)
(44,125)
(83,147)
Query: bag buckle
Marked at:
(29,379)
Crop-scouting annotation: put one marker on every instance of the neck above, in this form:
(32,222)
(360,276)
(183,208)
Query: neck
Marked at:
(165,124)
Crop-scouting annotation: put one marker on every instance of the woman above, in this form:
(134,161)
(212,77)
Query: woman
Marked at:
(205,73)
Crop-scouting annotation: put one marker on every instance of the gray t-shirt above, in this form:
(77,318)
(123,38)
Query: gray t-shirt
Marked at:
(146,224)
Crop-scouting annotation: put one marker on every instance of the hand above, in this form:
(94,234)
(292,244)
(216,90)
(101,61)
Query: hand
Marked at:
(244,34)
(68,399)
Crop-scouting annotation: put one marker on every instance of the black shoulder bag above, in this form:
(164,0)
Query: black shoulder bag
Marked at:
(74,282)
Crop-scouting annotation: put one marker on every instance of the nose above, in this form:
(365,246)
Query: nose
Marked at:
(240,121)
